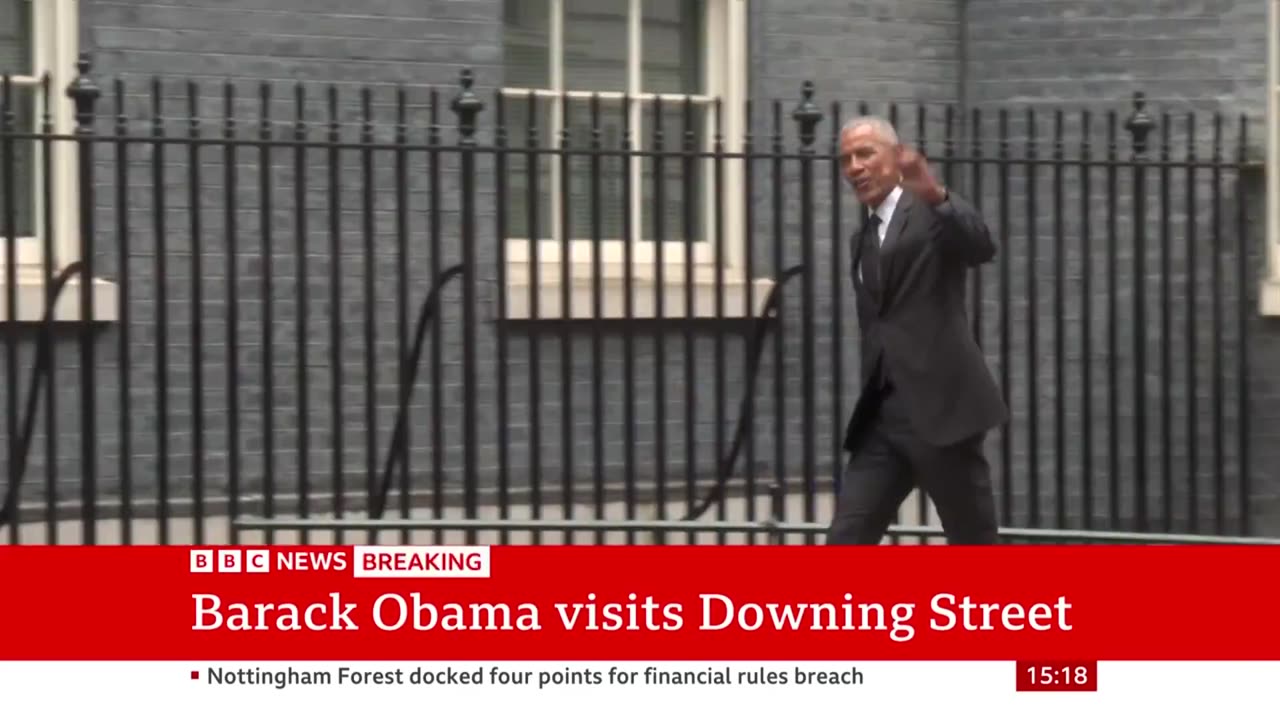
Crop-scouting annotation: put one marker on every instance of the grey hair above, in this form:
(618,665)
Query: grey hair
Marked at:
(882,127)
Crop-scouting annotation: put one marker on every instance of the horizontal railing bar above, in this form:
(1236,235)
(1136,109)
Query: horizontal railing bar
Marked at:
(219,505)
(459,524)
(606,95)
(764,526)
(1118,536)
(213,140)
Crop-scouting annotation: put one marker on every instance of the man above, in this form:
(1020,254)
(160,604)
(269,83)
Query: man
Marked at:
(928,398)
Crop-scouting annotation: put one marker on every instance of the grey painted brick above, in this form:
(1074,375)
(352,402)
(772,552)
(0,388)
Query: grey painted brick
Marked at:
(1187,55)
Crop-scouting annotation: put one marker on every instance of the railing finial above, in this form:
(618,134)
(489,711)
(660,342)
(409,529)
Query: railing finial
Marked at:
(1140,124)
(466,105)
(84,92)
(807,114)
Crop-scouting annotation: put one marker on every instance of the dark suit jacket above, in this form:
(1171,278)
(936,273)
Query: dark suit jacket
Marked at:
(919,328)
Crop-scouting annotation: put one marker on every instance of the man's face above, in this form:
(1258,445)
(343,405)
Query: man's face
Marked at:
(869,164)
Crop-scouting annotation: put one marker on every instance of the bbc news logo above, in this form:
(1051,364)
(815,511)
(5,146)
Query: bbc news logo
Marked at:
(230,561)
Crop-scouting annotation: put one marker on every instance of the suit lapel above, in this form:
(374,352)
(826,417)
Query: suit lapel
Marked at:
(859,282)
(889,260)
(856,242)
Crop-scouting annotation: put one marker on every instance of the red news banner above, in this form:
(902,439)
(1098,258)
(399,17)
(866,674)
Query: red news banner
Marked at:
(638,603)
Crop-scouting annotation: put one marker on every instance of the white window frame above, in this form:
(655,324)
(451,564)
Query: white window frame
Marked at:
(55,47)
(1269,291)
(725,57)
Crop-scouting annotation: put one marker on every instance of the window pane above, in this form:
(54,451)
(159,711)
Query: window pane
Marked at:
(605,182)
(595,45)
(15,37)
(23,164)
(526,40)
(677,174)
(603,185)
(673,38)
(529,185)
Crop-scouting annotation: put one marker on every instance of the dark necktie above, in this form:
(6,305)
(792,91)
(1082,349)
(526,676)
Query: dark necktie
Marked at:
(871,255)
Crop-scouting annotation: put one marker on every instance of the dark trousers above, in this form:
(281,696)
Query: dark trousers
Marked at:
(890,461)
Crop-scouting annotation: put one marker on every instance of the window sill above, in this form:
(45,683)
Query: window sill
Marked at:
(31,289)
(733,303)
(1269,297)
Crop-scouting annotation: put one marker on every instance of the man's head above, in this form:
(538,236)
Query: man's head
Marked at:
(869,158)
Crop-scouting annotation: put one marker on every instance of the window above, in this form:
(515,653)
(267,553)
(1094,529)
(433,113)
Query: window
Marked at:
(1269,294)
(38,37)
(16,60)
(656,53)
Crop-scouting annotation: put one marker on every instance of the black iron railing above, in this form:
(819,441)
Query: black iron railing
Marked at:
(685,377)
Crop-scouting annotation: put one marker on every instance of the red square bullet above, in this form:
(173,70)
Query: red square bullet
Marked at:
(195,674)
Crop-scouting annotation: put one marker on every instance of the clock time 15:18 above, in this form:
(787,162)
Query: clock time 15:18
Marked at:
(1057,676)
